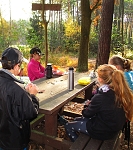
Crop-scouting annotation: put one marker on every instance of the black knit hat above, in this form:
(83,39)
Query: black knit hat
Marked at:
(12,56)
(36,50)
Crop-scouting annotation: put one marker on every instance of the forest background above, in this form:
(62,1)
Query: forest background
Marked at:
(65,31)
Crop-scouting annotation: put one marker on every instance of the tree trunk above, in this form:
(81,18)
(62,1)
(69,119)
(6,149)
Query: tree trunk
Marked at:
(105,32)
(122,28)
(85,32)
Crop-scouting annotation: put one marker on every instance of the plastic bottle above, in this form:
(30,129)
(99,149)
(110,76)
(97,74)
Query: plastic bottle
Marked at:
(49,71)
(71,79)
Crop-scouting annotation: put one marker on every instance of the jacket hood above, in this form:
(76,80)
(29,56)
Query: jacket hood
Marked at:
(9,75)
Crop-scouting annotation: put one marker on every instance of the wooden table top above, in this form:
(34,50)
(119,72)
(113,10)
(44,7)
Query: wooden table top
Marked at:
(56,93)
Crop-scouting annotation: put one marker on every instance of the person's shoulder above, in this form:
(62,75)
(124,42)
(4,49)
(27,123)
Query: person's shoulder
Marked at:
(32,63)
(128,73)
(104,95)
(131,72)
(109,93)
(101,91)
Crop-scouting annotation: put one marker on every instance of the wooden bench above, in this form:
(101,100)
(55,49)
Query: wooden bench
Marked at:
(84,142)
(37,120)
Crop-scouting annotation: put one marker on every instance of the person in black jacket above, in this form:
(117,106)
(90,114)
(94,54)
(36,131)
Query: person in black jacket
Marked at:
(18,106)
(106,113)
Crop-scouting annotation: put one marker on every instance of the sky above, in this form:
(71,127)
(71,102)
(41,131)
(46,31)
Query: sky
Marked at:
(20,9)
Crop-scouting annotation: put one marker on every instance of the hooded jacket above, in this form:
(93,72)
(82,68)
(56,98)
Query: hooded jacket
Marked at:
(17,108)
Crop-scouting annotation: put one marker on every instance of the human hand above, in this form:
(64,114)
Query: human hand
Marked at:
(87,102)
(31,88)
(97,84)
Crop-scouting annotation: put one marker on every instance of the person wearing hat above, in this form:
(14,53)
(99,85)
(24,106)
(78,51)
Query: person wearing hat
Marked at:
(18,106)
(34,68)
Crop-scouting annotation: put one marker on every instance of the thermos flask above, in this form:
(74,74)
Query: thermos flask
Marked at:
(71,79)
(49,71)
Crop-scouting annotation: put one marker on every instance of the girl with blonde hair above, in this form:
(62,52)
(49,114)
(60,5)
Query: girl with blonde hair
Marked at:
(106,113)
(116,80)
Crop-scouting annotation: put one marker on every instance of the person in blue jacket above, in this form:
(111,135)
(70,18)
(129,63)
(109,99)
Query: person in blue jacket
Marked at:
(18,106)
(105,114)
(125,66)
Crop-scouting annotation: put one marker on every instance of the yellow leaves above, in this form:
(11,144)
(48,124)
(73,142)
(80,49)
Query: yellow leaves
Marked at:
(96,20)
(117,2)
(72,62)
(24,72)
(71,28)
(4,27)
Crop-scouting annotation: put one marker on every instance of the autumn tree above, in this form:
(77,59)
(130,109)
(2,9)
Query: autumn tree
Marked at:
(105,32)
(86,12)
(35,35)
(4,34)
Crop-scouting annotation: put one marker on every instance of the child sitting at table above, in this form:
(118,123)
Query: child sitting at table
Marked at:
(34,68)
(106,113)
(124,65)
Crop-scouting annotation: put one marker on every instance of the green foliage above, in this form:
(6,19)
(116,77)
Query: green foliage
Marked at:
(128,1)
(120,43)
(35,35)
(55,35)
(4,34)
(19,32)
(25,50)
(12,33)
(65,36)
(93,43)
(116,44)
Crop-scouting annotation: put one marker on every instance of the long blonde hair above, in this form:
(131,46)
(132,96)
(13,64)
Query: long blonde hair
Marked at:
(116,81)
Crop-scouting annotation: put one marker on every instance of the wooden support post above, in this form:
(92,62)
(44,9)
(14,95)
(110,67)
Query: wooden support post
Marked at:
(44,7)
(52,7)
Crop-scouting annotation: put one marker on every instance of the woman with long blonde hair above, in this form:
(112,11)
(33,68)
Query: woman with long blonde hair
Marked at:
(116,81)
(106,113)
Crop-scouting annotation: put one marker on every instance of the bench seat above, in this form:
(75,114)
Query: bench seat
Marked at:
(84,142)
(37,120)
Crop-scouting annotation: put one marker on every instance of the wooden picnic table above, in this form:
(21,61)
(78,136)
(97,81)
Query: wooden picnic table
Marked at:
(51,101)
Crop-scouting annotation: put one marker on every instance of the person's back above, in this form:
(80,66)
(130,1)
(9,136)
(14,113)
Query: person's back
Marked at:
(34,68)
(106,113)
(18,106)
(106,119)
(14,122)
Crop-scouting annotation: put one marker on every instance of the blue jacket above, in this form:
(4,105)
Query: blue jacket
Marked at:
(129,78)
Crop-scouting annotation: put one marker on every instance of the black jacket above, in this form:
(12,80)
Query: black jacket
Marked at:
(17,108)
(106,119)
